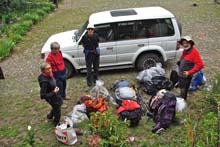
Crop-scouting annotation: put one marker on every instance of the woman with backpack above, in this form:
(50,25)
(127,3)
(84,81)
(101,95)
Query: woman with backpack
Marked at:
(189,63)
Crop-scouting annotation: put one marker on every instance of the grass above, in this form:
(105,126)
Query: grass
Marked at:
(20,102)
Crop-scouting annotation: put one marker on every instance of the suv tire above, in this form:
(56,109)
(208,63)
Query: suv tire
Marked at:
(69,69)
(147,61)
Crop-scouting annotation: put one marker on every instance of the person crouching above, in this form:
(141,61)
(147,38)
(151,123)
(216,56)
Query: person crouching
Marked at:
(189,63)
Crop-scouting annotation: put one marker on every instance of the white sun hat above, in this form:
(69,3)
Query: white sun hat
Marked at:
(90,26)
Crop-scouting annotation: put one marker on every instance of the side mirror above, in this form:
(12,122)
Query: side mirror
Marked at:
(74,38)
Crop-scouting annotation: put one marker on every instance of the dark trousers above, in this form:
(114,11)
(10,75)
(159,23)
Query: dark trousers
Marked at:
(1,73)
(92,60)
(55,2)
(55,111)
(184,84)
(60,77)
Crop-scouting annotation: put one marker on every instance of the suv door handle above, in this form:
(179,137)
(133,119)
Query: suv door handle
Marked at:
(109,48)
(140,45)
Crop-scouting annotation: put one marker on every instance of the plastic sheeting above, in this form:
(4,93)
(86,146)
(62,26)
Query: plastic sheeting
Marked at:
(147,74)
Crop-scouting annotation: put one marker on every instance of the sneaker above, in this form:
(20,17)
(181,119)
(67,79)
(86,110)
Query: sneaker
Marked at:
(89,84)
(64,106)
(66,98)
(159,131)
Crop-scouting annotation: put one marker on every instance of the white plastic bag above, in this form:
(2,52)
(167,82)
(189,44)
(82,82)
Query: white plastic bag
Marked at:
(127,92)
(65,133)
(99,90)
(180,104)
(147,74)
(78,114)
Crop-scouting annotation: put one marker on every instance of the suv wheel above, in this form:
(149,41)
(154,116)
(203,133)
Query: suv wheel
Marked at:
(69,69)
(147,60)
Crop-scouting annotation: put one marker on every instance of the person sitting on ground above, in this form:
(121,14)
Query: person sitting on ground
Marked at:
(49,92)
(189,63)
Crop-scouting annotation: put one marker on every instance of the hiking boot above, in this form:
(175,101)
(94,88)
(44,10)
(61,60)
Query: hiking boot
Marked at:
(89,84)
(55,123)
(49,117)
(64,106)
(66,98)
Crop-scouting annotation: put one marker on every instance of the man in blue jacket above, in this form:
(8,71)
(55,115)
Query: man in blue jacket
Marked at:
(90,42)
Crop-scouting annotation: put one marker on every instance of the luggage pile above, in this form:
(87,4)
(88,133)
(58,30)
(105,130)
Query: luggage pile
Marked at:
(126,99)
(153,80)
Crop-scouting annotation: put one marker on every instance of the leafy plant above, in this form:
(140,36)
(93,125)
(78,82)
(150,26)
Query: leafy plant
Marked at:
(32,16)
(16,38)
(41,12)
(110,128)
(5,47)
(29,140)
(202,132)
(18,28)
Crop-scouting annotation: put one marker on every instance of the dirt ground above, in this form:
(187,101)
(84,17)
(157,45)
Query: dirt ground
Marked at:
(19,92)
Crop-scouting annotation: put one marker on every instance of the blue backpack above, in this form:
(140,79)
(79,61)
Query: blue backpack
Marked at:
(197,79)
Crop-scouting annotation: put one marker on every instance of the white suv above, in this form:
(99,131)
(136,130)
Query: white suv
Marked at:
(134,37)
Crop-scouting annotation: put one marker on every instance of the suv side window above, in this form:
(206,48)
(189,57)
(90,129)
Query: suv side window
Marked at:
(158,28)
(126,30)
(105,32)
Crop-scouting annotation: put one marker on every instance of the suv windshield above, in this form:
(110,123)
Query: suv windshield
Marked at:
(81,30)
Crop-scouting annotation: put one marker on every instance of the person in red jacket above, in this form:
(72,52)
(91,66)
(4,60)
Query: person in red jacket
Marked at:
(55,58)
(190,62)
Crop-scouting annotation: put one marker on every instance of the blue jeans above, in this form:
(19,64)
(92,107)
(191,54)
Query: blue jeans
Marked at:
(60,77)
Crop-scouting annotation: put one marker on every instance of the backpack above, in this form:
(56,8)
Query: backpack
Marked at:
(121,83)
(165,112)
(130,110)
(157,83)
(124,93)
(94,105)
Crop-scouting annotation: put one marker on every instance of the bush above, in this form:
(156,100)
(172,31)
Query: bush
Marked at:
(18,28)
(32,16)
(15,38)
(26,24)
(40,12)
(110,128)
(5,47)
(46,9)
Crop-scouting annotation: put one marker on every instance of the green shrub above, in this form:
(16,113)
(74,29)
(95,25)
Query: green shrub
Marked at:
(110,128)
(15,38)
(50,6)
(18,28)
(26,24)
(5,47)
(6,18)
(46,9)
(41,12)
(32,16)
